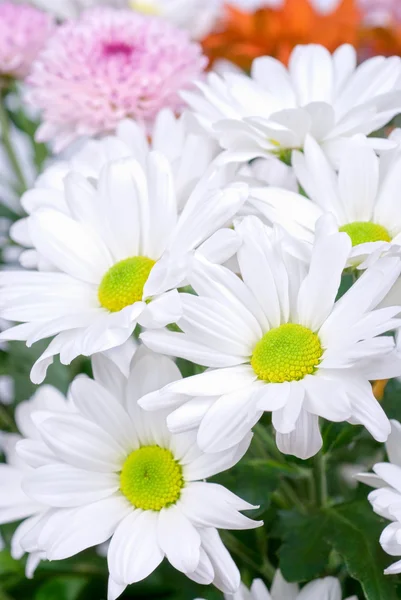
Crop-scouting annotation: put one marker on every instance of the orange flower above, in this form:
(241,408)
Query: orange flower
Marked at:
(382,40)
(244,36)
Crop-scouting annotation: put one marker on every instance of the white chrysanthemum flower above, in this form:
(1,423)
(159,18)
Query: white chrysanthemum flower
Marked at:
(277,340)
(328,588)
(189,155)
(324,95)
(199,17)
(119,252)
(386,498)
(362,196)
(15,505)
(120,474)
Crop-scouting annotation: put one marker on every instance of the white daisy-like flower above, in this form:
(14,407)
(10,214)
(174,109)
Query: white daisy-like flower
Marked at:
(277,340)
(189,154)
(15,505)
(199,17)
(120,474)
(327,96)
(362,196)
(386,497)
(120,254)
(328,588)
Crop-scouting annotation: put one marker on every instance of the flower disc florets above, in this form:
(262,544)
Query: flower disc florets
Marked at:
(286,353)
(123,284)
(151,478)
(107,65)
(362,232)
(23,32)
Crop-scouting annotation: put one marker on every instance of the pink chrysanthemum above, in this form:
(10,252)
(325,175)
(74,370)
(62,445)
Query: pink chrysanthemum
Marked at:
(24,30)
(107,65)
(381,12)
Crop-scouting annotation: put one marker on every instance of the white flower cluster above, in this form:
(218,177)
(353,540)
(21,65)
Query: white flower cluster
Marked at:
(206,247)
(386,497)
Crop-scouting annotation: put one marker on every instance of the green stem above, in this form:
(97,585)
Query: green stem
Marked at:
(291,496)
(320,479)
(9,148)
(268,442)
(242,552)
(6,420)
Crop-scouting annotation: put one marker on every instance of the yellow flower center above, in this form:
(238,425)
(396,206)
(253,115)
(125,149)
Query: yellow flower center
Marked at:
(145,6)
(362,232)
(123,284)
(286,353)
(151,478)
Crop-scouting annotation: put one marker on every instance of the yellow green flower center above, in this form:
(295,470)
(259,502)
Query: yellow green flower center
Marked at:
(145,6)
(286,353)
(362,232)
(151,478)
(123,284)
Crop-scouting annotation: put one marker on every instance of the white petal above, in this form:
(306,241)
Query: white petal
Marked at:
(358,181)
(180,345)
(284,419)
(212,505)
(207,465)
(88,526)
(305,440)
(326,396)
(322,589)
(215,382)
(227,577)
(283,590)
(69,245)
(318,290)
(228,421)
(114,590)
(64,486)
(162,311)
(263,270)
(99,406)
(393,444)
(82,443)
(134,552)
(178,539)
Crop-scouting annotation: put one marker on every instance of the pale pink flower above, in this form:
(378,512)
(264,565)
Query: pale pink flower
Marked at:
(381,12)
(107,65)
(24,30)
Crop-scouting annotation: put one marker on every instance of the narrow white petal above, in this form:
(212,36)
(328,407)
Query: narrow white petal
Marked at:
(88,526)
(227,576)
(305,440)
(134,552)
(212,505)
(228,421)
(178,539)
(64,486)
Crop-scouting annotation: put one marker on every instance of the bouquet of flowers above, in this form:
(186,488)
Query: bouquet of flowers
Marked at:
(200,300)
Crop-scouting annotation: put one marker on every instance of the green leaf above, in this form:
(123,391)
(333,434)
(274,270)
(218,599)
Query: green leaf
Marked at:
(62,588)
(392,400)
(8,565)
(304,553)
(353,530)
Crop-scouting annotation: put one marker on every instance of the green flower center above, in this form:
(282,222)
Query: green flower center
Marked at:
(151,478)
(123,284)
(286,353)
(362,232)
